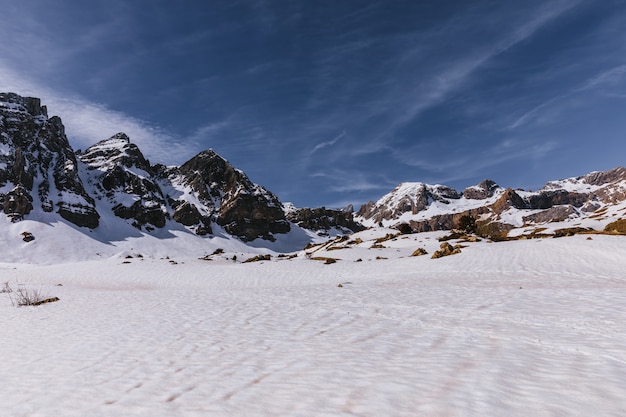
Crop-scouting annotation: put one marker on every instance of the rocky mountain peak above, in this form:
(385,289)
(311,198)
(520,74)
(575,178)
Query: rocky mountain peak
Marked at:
(38,164)
(483,190)
(16,103)
(407,197)
(122,178)
(606,177)
(243,208)
(116,150)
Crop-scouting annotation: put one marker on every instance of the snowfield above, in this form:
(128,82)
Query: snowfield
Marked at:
(523,328)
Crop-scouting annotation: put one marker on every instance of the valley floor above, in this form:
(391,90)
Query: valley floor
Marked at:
(524,328)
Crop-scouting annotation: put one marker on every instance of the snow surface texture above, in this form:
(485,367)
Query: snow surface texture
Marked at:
(521,328)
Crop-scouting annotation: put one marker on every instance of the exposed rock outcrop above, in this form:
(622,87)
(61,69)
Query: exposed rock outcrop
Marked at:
(123,179)
(324,219)
(553,214)
(17,203)
(485,189)
(37,156)
(243,208)
(419,207)
(407,197)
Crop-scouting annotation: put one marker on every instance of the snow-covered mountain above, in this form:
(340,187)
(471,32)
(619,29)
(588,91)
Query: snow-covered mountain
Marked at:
(110,190)
(590,201)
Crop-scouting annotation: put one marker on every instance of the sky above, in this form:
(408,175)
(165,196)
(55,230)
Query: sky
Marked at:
(330,103)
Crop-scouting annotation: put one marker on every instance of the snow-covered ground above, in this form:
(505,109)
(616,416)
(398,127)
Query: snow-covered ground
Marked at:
(523,328)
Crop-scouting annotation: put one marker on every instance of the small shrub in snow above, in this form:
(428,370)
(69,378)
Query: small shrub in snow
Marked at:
(387,237)
(570,231)
(29,297)
(6,288)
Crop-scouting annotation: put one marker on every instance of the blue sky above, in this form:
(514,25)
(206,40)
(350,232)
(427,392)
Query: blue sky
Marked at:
(335,102)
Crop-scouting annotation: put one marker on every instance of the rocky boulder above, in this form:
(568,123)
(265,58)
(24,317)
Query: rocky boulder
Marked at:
(446,249)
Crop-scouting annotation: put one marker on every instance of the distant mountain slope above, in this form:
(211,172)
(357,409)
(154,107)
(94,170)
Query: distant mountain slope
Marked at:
(594,199)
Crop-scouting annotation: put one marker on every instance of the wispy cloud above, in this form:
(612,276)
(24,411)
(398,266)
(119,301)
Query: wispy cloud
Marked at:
(328,143)
(87,122)
(354,180)
(406,81)
(608,77)
(551,109)
(442,83)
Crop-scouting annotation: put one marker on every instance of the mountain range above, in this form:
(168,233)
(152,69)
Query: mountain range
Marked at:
(111,185)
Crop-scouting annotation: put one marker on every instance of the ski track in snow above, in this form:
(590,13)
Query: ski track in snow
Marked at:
(517,329)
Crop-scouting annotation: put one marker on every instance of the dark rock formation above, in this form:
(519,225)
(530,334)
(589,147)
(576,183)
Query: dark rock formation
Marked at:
(446,221)
(121,175)
(187,214)
(243,208)
(553,214)
(507,200)
(549,198)
(324,219)
(17,203)
(407,197)
(38,150)
(485,189)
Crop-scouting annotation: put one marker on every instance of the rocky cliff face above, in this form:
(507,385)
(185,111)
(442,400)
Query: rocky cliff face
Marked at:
(38,168)
(323,219)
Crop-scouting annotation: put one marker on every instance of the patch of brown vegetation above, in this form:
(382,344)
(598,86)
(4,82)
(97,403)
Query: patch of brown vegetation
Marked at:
(355,241)
(419,252)
(571,231)
(447,250)
(617,227)
(327,260)
(258,258)
(387,237)
(493,230)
